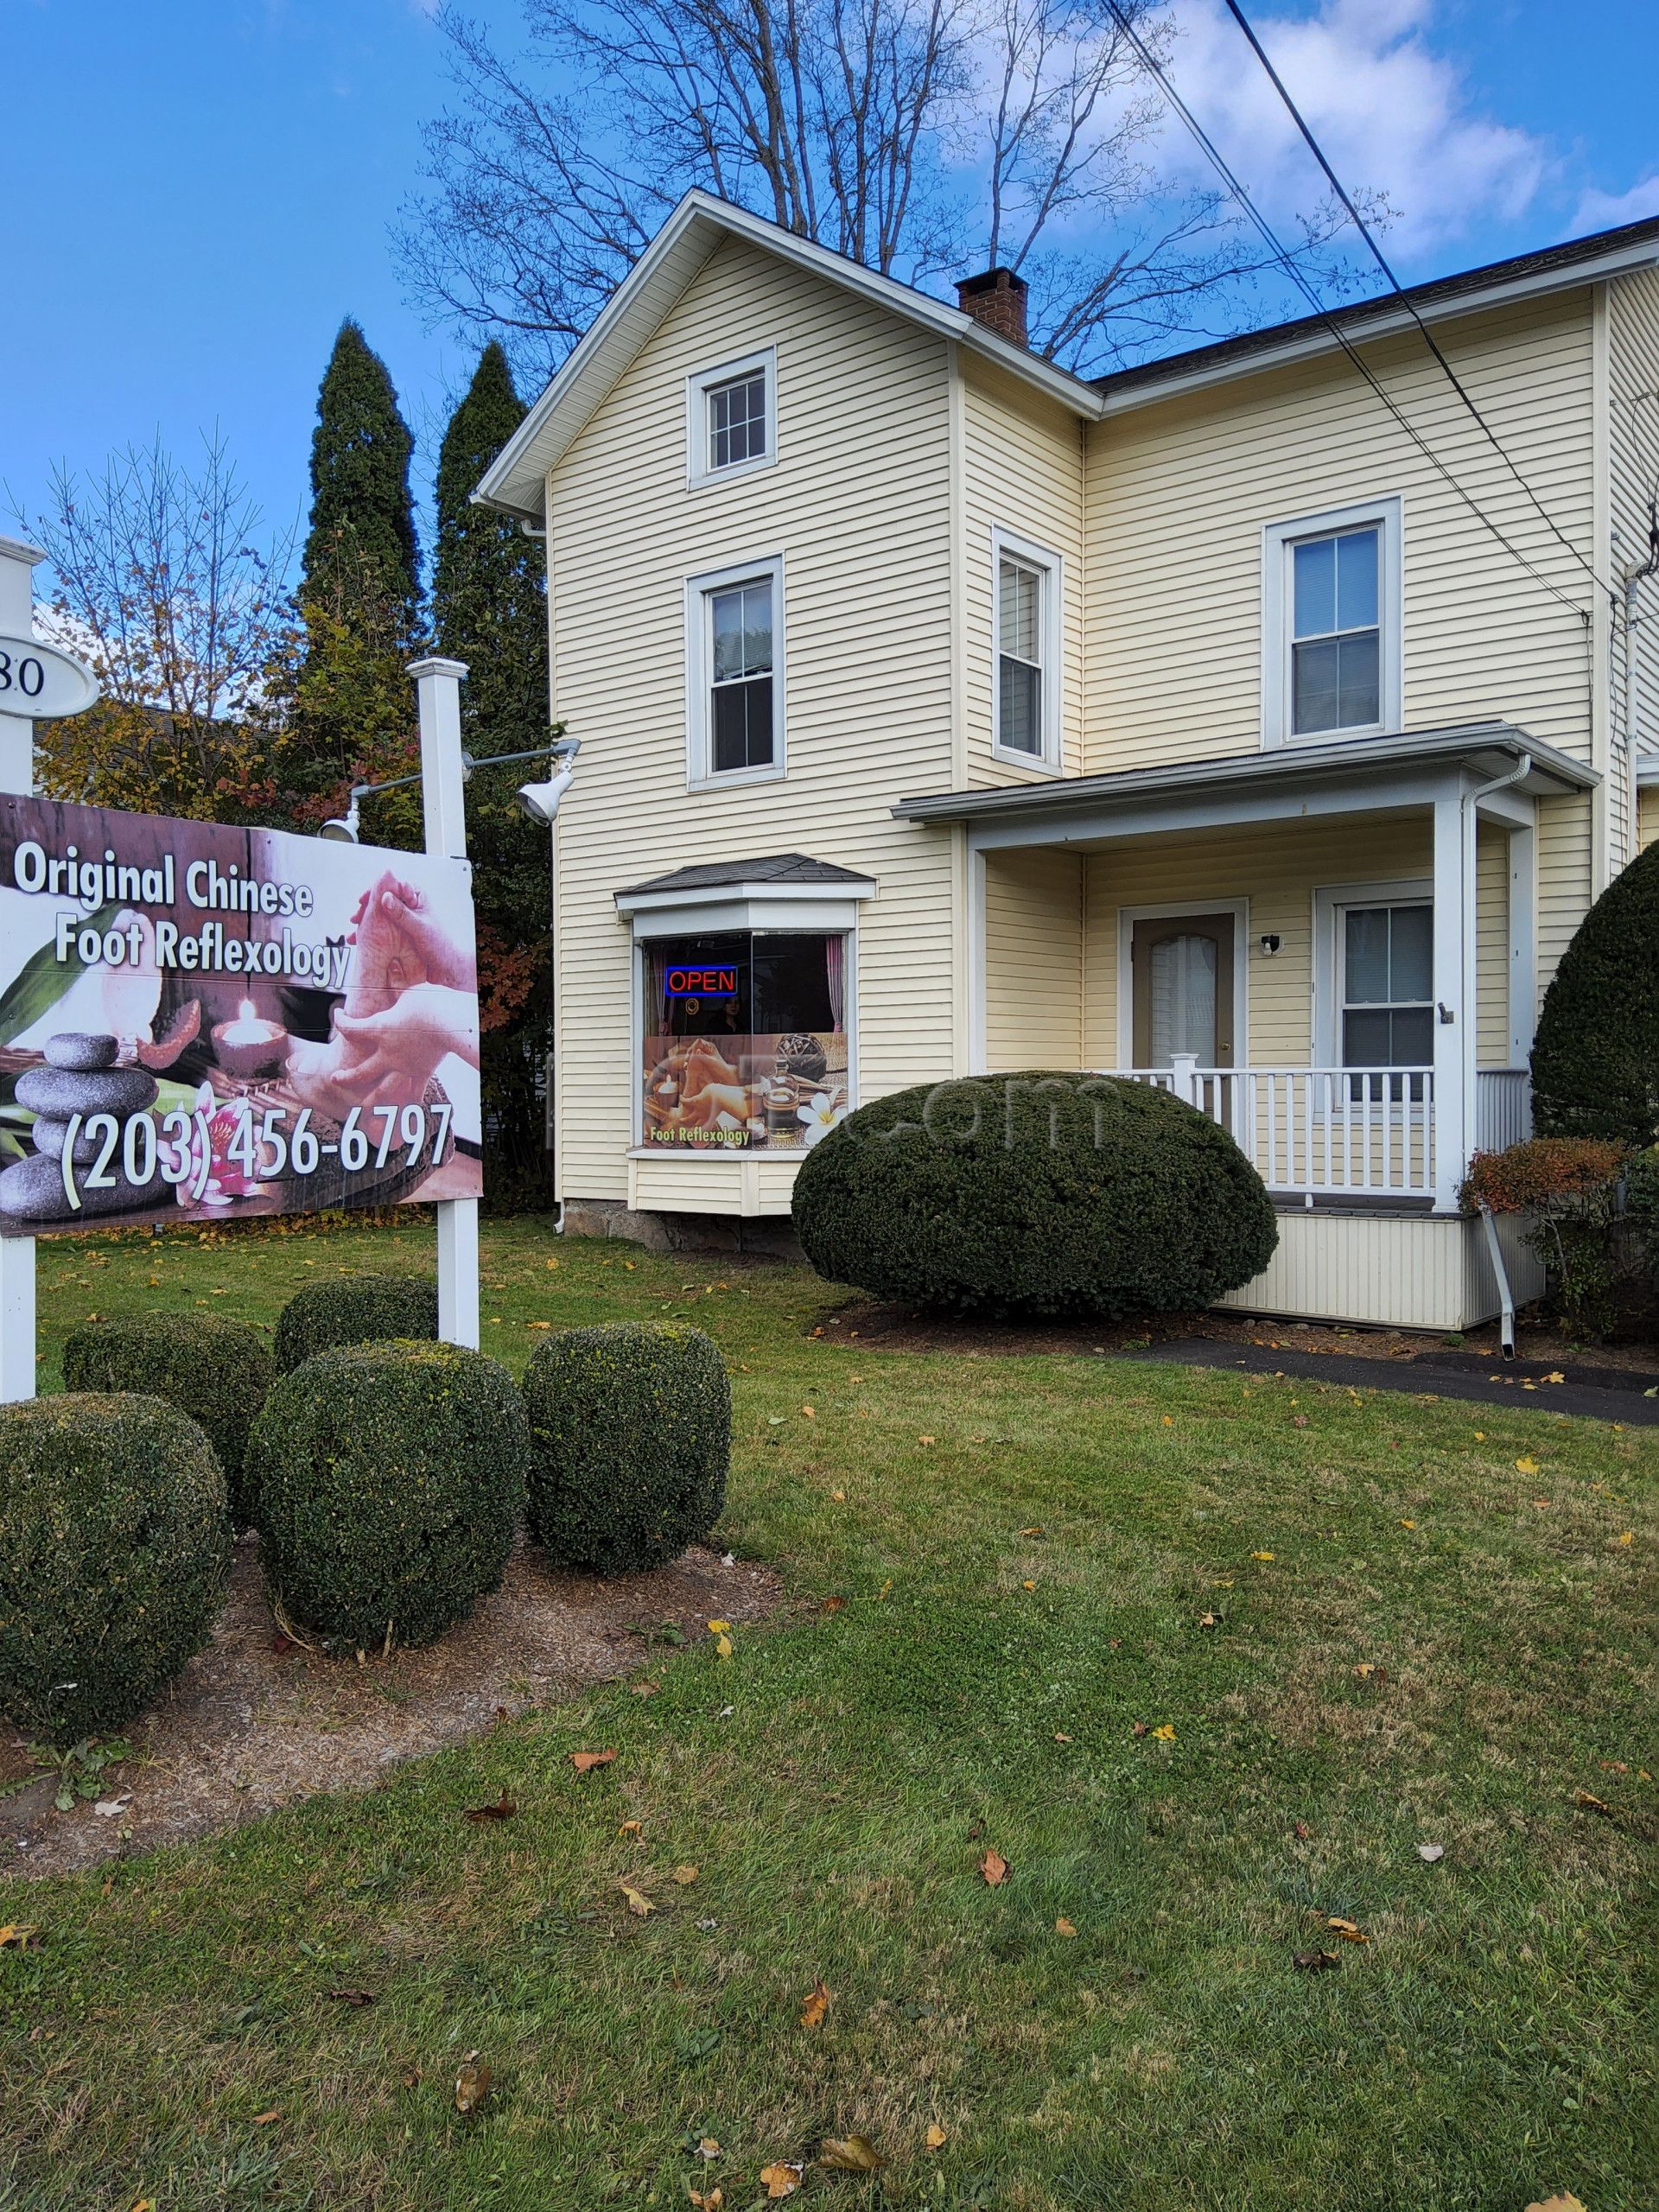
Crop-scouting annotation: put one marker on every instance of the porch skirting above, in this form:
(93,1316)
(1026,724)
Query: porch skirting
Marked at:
(1401,1271)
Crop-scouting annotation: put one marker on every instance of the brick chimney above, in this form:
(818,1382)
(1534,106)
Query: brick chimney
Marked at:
(998,299)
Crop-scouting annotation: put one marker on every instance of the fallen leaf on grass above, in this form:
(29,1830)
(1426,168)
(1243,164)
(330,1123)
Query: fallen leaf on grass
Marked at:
(1060,1737)
(1035,1529)
(1063,1927)
(1581,1797)
(935,2136)
(927,1439)
(585,1762)
(1565,2202)
(1164,1732)
(993,1869)
(1140,1728)
(1300,1830)
(816,2005)
(849,2154)
(833,1605)
(1428,1853)
(1208,1620)
(708,2146)
(1027,1585)
(355,1997)
(471,2083)
(707,2199)
(1408,1524)
(1316,1962)
(838,1497)
(781,2179)
(1349,1930)
(638,1903)
(1267,1555)
(502,1810)
(264,2119)
(629,1828)
(718,1628)
(685,1876)
(1628,1537)
(20,1932)
(1526,1465)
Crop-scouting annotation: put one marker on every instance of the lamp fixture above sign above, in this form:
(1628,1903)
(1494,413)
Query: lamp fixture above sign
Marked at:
(40,683)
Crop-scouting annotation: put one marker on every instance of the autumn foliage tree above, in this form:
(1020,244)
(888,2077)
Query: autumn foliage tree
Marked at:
(167,585)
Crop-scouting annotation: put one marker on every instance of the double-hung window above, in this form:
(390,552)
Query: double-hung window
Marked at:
(1026,708)
(735,673)
(1332,619)
(732,418)
(1385,990)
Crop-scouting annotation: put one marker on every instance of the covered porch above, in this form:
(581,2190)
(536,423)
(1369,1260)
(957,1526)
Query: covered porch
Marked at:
(1332,950)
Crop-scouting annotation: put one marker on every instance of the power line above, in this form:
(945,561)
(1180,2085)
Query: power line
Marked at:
(1409,304)
(1286,261)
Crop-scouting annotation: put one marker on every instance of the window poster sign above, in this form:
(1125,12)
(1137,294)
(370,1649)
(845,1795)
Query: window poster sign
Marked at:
(200,1022)
(745,1042)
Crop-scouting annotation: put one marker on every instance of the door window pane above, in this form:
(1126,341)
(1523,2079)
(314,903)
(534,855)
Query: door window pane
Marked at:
(744,1045)
(1182,988)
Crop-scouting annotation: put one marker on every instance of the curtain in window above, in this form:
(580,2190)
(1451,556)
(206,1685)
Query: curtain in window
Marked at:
(834,955)
(1183,999)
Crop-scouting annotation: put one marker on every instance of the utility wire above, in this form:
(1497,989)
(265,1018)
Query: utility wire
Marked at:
(1406,300)
(1286,261)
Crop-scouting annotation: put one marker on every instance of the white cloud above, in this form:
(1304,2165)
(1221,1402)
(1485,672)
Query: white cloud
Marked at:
(1605,211)
(1391,113)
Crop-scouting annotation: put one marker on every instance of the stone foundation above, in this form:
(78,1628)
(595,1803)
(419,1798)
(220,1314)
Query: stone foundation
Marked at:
(681,1232)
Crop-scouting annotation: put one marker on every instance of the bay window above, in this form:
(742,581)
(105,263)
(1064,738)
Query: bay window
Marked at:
(744,1040)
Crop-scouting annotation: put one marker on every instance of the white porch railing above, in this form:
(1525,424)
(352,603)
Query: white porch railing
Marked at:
(1344,1132)
(1319,1132)
(1503,1108)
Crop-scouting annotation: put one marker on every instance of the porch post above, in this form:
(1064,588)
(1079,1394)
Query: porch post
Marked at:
(978,956)
(1454,1027)
(1523,943)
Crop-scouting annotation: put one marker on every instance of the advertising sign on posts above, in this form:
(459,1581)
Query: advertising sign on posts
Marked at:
(202,1022)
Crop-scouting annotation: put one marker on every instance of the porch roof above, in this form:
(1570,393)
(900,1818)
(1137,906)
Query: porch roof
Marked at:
(1369,769)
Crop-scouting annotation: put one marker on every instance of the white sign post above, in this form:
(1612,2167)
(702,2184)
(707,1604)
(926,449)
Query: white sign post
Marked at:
(34,683)
(437,687)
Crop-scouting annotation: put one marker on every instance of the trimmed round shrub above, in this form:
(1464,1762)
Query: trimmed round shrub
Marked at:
(216,1369)
(114,1551)
(388,1479)
(1595,1058)
(631,1436)
(1038,1193)
(355,1310)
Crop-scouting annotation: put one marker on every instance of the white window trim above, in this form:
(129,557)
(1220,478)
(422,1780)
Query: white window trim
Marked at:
(638,1148)
(698,385)
(1330,902)
(1053,569)
(1277,539)
(700,774)
(1169,911)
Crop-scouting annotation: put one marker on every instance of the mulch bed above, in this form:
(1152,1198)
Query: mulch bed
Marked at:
(256,1719)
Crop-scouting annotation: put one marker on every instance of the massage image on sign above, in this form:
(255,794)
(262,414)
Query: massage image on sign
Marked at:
(220,1021)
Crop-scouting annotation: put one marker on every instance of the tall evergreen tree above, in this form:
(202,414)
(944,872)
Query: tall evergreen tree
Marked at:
(489,610)
(351,708)
(361,514)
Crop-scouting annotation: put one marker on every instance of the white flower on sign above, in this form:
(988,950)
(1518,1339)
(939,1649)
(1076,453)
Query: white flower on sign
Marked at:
(819,1115)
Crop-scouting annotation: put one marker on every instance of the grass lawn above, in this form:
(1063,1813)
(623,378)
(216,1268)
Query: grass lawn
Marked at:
(998,1568)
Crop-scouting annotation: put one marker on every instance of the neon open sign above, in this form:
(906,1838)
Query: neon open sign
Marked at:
(701,983)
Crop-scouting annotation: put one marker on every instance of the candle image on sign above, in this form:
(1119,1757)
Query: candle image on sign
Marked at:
(205,1020)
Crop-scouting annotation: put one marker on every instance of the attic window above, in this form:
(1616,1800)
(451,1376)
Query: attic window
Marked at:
(731,418)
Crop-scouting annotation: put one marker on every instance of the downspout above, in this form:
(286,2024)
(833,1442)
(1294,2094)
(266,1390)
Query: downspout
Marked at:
(1521,769)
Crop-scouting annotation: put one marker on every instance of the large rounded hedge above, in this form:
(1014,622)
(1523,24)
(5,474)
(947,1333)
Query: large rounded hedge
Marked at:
(355,1310)
(114,1551)
(1036,1193)
(631,1433)
(1595,1058)
(388,1481)
(216,1369)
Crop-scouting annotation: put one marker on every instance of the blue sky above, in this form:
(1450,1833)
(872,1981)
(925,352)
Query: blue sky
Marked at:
(198,191)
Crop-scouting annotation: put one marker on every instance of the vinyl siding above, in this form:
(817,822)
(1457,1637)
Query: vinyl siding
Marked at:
(1633,470)
(1023,470)
(1033,979)
(1647,817)
(858,506)
(1277,868)
(1179,493)
(1491,946)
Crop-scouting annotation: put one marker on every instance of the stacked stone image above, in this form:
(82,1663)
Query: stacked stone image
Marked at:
(79,1077)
